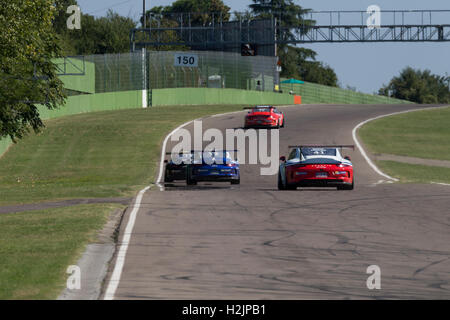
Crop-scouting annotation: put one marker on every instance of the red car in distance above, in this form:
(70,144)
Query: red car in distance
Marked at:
(264,117)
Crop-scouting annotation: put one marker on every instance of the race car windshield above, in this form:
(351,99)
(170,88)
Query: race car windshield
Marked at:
(209,157)
(181,158)
(319,152)
(261,109)
(216,154)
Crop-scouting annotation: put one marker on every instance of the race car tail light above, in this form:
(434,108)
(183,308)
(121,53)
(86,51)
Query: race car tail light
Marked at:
(342,173)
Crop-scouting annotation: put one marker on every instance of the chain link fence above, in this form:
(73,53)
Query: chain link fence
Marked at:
(313,93)
(158,70)
(118,72)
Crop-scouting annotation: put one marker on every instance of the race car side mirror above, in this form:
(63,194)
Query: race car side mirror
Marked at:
(283,158)
(348,158)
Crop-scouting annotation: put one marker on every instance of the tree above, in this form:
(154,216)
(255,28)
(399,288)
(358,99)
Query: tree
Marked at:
(28,42)
(287,12)
(60,26)
(60,17)
(110,34)
(161,17)
(295,62)
(202,10)
(418,86)
(197,12)
(301,63)
(243,16)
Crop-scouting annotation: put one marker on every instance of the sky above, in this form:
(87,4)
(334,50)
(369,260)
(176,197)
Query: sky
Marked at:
(365,66)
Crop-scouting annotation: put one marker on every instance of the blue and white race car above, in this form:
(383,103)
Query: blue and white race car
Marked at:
(213,166)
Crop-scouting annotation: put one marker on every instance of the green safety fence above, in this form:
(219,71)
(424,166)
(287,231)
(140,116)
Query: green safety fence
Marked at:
(77,74)
(209,96)
(313,93)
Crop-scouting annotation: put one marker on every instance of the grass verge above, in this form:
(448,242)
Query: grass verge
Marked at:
(415,173)
(420,134)
(93,155)
(36,248)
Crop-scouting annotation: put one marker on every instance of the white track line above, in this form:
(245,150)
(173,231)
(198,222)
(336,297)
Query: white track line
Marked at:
(115,277)
(441,183)
(120,261)
(163,152)
(363,152)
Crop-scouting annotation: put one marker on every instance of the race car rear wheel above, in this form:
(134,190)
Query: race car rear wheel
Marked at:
(282,186)
(191,182)
(282,125)
(291,187)
(352,186)
(280,183)
(166,178)
(347,187)
(238,181)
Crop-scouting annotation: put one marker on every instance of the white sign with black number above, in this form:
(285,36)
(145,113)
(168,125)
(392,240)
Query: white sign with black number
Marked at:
(186,60)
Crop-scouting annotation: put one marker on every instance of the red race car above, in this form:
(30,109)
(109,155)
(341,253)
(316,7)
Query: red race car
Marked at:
(316,166)
(264,117)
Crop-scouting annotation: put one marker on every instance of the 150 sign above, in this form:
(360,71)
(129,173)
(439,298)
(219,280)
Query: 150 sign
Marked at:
(186,60)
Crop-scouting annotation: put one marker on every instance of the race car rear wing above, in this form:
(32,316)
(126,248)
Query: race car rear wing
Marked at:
(192,151)
(325,146)
(260,106)
(198,152)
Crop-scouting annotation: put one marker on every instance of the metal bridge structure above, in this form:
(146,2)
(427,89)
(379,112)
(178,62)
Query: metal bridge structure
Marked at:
(213,31)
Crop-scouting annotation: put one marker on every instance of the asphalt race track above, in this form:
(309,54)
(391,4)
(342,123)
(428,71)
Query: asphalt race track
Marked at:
(251,241)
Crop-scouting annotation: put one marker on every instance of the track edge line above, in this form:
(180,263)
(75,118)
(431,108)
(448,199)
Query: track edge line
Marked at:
(361,149)
(121,254)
